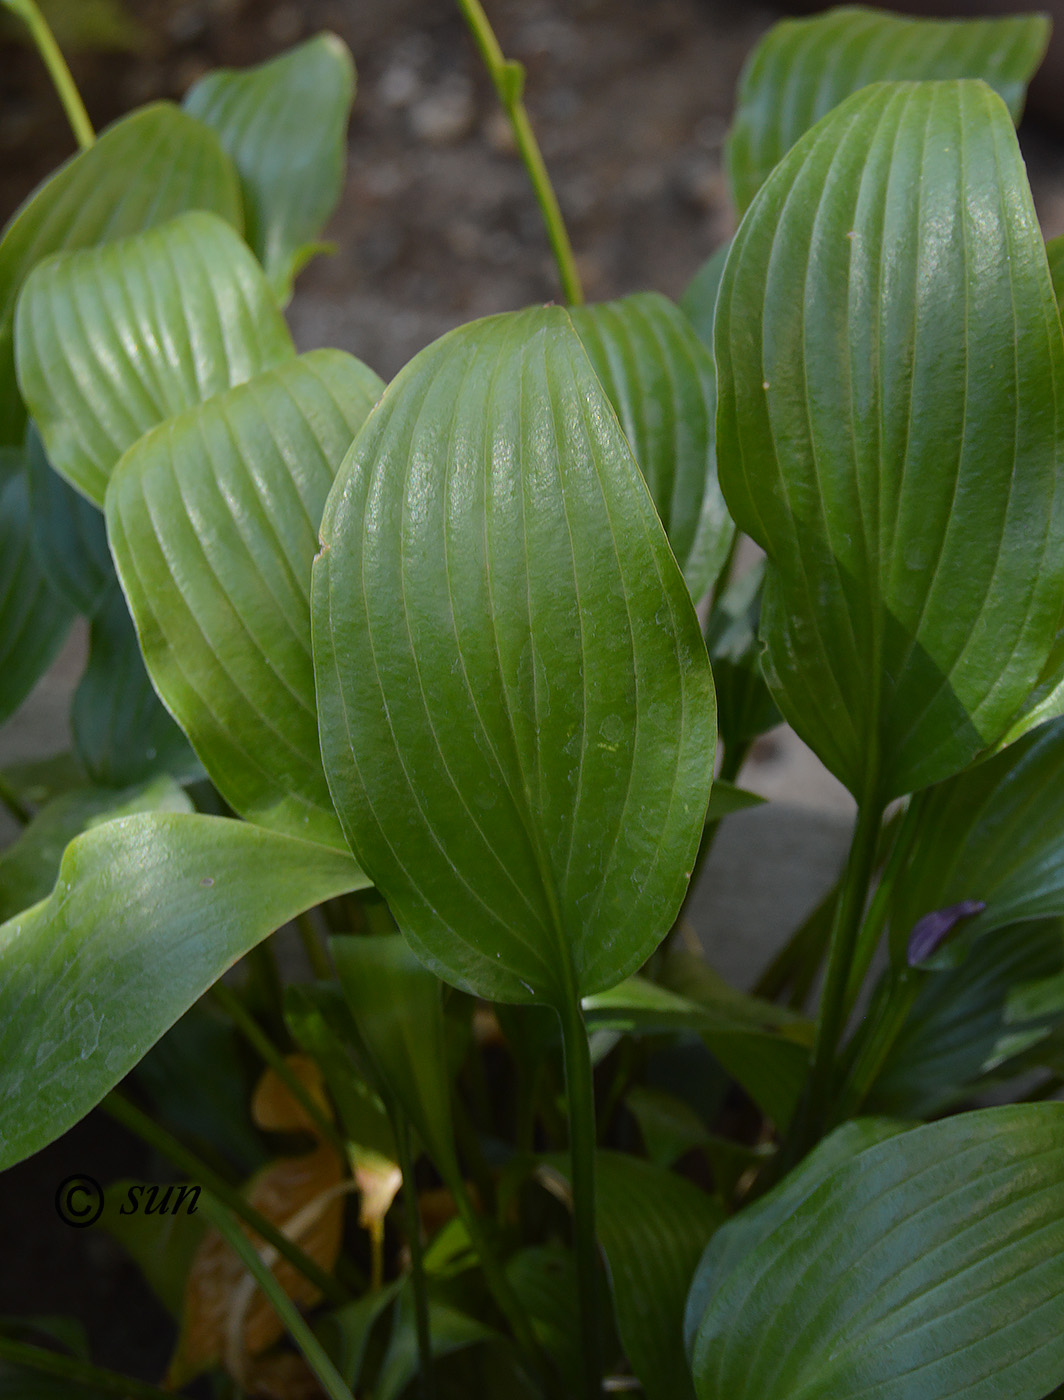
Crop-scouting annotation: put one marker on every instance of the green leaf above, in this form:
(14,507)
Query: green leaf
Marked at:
(638,1005)
(993,833)
(34,619)
(29,867)
(699,301)
(213,521)
(285,125)
(543,1278)
(345,1332)
(499,620)
(930,1264)
(898,465)
(763,1047)
(756,1223)
(122,734)
(110,341)
(745,708)
(147,913)
(963,1021)
(449,1329)
(662,385)
(35,781)
(398,1009)
(142,170)
(803,68)
(652,1226)
(1055,257)
(669,1127)
(69,535)
(726,798)
(320,1020)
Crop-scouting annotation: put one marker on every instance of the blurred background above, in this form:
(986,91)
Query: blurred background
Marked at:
(631,101)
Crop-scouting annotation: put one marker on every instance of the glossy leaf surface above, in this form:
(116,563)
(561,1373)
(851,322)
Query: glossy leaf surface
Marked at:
(213,520)
(112,340)
(516,707)
(757,1222)
(662,385)
(898,466)
(285,125)
(122,733)
(144,169)
(147,913)
(994,833)
(34,619)
(930,1264)
(803,68)
(29,866)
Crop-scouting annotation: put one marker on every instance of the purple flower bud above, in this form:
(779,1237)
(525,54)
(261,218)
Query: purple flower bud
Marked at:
(930,932)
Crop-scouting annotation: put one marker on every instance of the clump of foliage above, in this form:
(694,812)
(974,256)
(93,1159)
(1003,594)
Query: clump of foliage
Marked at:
(419,667)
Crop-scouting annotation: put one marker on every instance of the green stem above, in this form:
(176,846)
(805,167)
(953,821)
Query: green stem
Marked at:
(879,907)
(312,1350)
(314,947)
(882,1028)
(260,1041)
(831,1015)
(68,1368)
(580,1092)
(122,1111)
(58,71)
(509,78)
(417,1261)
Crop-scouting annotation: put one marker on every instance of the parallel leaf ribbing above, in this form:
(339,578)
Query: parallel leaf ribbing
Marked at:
(113,340)
(890,438)
(284,124)
(213,520)
(144,169)
(930,1264)
(803,68)
(516,709)
(662,385)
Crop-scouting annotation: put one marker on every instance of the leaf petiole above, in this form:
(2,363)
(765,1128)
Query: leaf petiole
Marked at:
(62,79)
(312,1350)
(580,1091)
(509,79)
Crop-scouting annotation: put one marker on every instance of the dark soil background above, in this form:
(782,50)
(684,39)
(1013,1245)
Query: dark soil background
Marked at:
(630,100)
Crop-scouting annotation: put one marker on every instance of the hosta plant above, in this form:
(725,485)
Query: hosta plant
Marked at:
(459,673)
